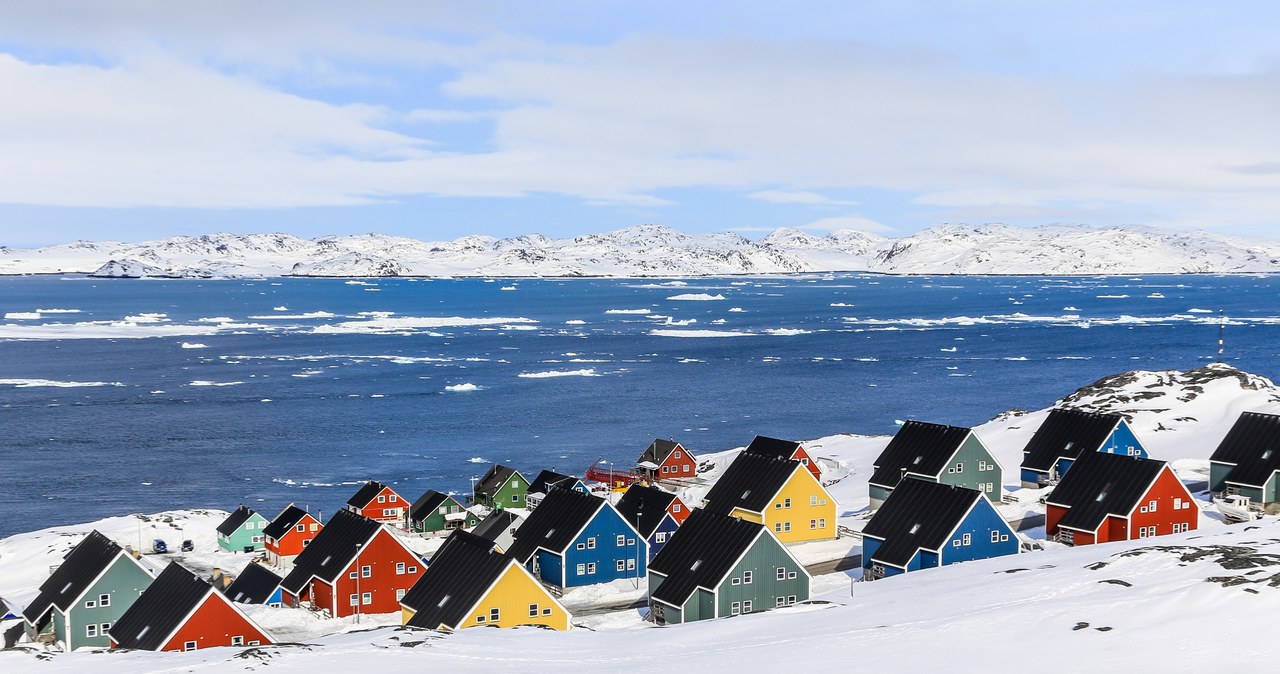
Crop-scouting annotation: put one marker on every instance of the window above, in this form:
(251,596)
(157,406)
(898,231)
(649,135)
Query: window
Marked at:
(366,598)
(581,569)
(631,541)
(355,600)
(366,571)
(591,568)
(813,501)
(1151,506)
(480,619)
(959,467)
(495,615)
(791,575)
(382,498)
(91,604)
(995,536)
(591,543)
(813,524)
(791,599)
(786,503)
(400,568)
(735,581)
(675,508)
(390,512)
(782,573)
(256,539)
(237,641)
(515,484)
(779,602)
(660,537)
(777,526)
(1143,509)
(622,540)
(91,630)
(677,454)
(786,526)
(315,526)
(102,629)
(393,498)
(822,523)
(746,606)
(443,510)
(306,542)
(955,542)
(622,565)
(777,506)
(189,646)
(735,608)
(301,528)
(746,577)
(685,469)
(982,466)
(666,469)
(255,642)
(966,539)
(546,611)
(413,569)
(631,565)
(804,461)
(581,546)
(104,600)
(399,593)
(533,610)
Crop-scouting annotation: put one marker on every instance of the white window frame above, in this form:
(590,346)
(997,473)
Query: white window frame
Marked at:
(622,565)
(399,593)
(591,568)
(495,615)
(366,571)
(382,498)
(967,539)
(591,543)
(104,600)
(400,568)
(91,631)
(735,608)
(746,577)
(366,598)
(533,610)
(355,599)
(622,540)
(237,640)
(190,646)
(746,605)
(581,569)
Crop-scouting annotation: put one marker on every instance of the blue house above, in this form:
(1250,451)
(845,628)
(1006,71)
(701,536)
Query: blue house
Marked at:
(255,585)
(648,509)
(926,524)
(1065,434)
(575,539)
(548,480)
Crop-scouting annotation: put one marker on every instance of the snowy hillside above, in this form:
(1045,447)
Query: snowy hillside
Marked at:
(654,250)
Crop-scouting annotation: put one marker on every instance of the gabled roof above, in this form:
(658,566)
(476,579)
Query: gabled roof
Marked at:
(458,576)
(1101,484)
(497,522)
(650,503)
(1253,447)
(918,514)
(918,447)
(1065,433)
(235,520)
(174,594)
(750,483)
(429,501)
(254,585)
(766,446)
(556,522)
(548,480)
(658,451)
(492,480)
(285,521)
(700,554)
(74,575)
(8,610)
(331,550)
(366,494)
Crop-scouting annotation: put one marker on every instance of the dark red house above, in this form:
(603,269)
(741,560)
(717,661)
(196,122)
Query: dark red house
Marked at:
(1112,497)
(785,449)
(666,459)
(353,564)
(290,532)
(181,612)
(379,502)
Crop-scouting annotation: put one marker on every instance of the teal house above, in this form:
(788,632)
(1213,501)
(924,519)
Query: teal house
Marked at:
(716,566)
(242,531)
(935,453)
(501,487)
(86,594)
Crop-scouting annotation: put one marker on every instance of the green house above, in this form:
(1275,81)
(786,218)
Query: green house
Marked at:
(501,487)
(434,512)
(716,566)
(86,594)
(242,531)
(936,453)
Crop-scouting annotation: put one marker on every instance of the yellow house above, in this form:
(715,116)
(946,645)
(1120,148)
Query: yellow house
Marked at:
(470,583)
(779,493)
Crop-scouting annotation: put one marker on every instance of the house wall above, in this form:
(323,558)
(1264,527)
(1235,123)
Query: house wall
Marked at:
(807,461)
(679,510)
(244,536)
(605,527)
(982,522)
(382,555)
(511,494)
(513,595)
(801,489)
(878,495)
(124,581)
(682,466)
(701,605)
(1052,515)
(1218,476)
(1123,441)
(1165,492)
(869,547)
(390,511)
(762,560)
(214,624)
(550,567)
(979,469)
(667,527)
(293,542)
(1030,478)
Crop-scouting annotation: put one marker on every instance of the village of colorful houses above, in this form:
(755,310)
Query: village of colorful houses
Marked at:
(514,546)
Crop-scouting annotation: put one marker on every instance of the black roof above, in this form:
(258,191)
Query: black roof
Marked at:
(285,521)
(1065,433)
(254,585)
(1101,484)
(766,446)
(1253,446)
(235,520)
(79,568)
(918,447)
(365,494)
(548,480)
(459,573)
(658,451)
(650,502)
(553,526)
(430,500)
(498,521)
(750,482)
(331,550)
(918,514)
(700,554)
(492,480)
(160,610)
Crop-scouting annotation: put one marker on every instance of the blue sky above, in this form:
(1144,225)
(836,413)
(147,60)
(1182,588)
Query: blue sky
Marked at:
(132,120)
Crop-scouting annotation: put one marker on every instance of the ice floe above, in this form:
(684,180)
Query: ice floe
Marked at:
(590,372)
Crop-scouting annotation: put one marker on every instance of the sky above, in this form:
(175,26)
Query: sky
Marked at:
(137,119)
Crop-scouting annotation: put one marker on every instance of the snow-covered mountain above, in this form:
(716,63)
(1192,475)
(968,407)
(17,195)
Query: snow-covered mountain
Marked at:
(655,250)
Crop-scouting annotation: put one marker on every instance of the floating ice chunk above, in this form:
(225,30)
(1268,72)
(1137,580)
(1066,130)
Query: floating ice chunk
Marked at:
(23,315)
(699,333)
(49,383)
(695,297)
(462,388)
(193,345)
(590,372)
(637,312)
(206,382)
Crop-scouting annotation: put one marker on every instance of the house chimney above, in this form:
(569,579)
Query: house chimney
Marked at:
(215,575)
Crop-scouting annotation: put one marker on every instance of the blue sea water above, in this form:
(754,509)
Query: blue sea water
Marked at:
(287,408)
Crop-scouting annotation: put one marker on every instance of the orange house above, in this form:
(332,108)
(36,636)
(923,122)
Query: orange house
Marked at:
(1113,497)
(289,533)
(380,503)
(666,459)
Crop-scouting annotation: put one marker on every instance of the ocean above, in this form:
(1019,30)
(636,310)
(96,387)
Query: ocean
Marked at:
(124,396)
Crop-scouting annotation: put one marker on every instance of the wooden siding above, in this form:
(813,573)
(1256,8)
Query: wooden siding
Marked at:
(763,559)
(214,624)
(124,580)
(801,489)
(513,596)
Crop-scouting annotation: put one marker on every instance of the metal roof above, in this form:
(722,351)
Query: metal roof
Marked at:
(1101,484)
(429,501)
(492,480)
(553,526)
(548,480)
(1253,447)
(285,521)
(1065,433)
(458,576)
(255,585)
(918,447)
(700,554)
(160,610)
(750,483)
(918,514)
(365,494)
(493,525)
(766,446)
(650,503)
(235,520)
(78,569)
(658,451)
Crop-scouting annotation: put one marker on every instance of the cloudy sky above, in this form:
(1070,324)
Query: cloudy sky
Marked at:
(135,119)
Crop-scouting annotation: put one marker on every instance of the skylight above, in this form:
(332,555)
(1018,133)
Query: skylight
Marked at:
(443,600)
(64,590)
(1266,455)
(144,631)
(917,461)
(914,528)
(326,560)
(695,565)
(1069,446)
(746,493)
(549,532)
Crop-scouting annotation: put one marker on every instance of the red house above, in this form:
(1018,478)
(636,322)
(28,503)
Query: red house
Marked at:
(785,449)
(181,612)
(353,565)
(1112,497)
(666,459)
(380,503)
(677,509)
(290,532)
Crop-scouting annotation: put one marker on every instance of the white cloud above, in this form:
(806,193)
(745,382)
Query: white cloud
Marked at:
(854,222)
(799,197)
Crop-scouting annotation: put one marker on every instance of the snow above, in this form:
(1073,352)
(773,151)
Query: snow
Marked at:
(462,388)
(590,372)
(695,297)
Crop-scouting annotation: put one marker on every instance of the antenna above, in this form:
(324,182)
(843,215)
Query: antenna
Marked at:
(1222,325)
